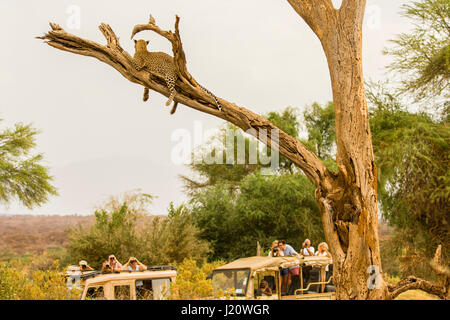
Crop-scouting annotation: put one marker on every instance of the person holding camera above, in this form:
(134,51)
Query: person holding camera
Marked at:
(84,266)
(323,250)
(307,250)
(112,265)
(134,264)
(106,267)
(275,251)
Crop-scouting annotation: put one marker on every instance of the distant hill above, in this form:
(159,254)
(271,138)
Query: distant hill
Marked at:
(34,234)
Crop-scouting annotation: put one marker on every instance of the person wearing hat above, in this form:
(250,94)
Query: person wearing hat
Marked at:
(84,266)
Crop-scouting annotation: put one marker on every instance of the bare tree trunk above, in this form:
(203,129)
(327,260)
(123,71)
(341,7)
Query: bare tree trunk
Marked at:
(347,199)
(349,208)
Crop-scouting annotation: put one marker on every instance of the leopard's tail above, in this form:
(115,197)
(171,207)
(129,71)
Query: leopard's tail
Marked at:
(213,96)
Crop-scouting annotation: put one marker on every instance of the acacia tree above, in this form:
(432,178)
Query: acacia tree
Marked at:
(347,198)
(22,176)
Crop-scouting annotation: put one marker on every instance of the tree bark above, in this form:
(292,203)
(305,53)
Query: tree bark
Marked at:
(347,199)
(349,209)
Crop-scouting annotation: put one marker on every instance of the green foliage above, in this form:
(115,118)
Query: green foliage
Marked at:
(175,238)
(18,284)
(412,156)
(124,230)
(412,149)
(209,174)
(191,283)
(8,254)
(422,57)
(319,122)
(266,208)
(287,121)
(21,174)
(235,204)
(113,233)
(45,261)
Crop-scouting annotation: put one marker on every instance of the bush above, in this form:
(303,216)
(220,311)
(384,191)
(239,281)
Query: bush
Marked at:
(191,283)
(122,228)
(264,208)
(174,238)
(17,284)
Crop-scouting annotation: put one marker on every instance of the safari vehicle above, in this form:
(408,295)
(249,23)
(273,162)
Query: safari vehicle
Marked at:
(152,284)
(243,276)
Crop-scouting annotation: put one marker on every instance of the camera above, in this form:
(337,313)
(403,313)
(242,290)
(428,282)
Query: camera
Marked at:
(83,267)
(107,265)
(275,251)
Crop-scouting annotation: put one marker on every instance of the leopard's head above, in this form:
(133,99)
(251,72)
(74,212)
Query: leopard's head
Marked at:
(140,45)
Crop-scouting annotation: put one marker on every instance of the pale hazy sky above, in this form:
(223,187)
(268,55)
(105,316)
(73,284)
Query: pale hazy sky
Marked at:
(99,138)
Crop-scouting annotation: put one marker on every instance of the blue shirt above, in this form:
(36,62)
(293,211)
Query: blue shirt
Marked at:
(131,269)
(289,251)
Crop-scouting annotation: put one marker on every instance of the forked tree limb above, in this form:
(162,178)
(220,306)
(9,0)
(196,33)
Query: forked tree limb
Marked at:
(177,46)
(318,14)
(188,92)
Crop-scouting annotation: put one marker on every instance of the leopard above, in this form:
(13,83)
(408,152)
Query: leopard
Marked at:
(163,64)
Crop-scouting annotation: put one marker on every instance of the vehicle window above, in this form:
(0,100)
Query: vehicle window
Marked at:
(122,292)
(233,281)
(95,293)
(268,277)
(161,288)
(152,289)
(144,290)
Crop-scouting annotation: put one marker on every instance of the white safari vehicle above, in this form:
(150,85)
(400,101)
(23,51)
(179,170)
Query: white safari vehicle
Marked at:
(152,284)
(243,276)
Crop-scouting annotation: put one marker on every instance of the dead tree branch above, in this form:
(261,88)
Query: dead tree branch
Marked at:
(440,288)
(188,92)
(177,46)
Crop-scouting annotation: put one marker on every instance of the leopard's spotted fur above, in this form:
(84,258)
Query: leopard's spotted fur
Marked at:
(157,62)
(163,64)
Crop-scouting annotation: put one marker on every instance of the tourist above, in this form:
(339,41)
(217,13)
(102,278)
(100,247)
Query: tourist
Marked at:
(114,264)
(84,266)
(307,250)
(275,251)
(265,289)
(134,264)
(323,250)
(287,273)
